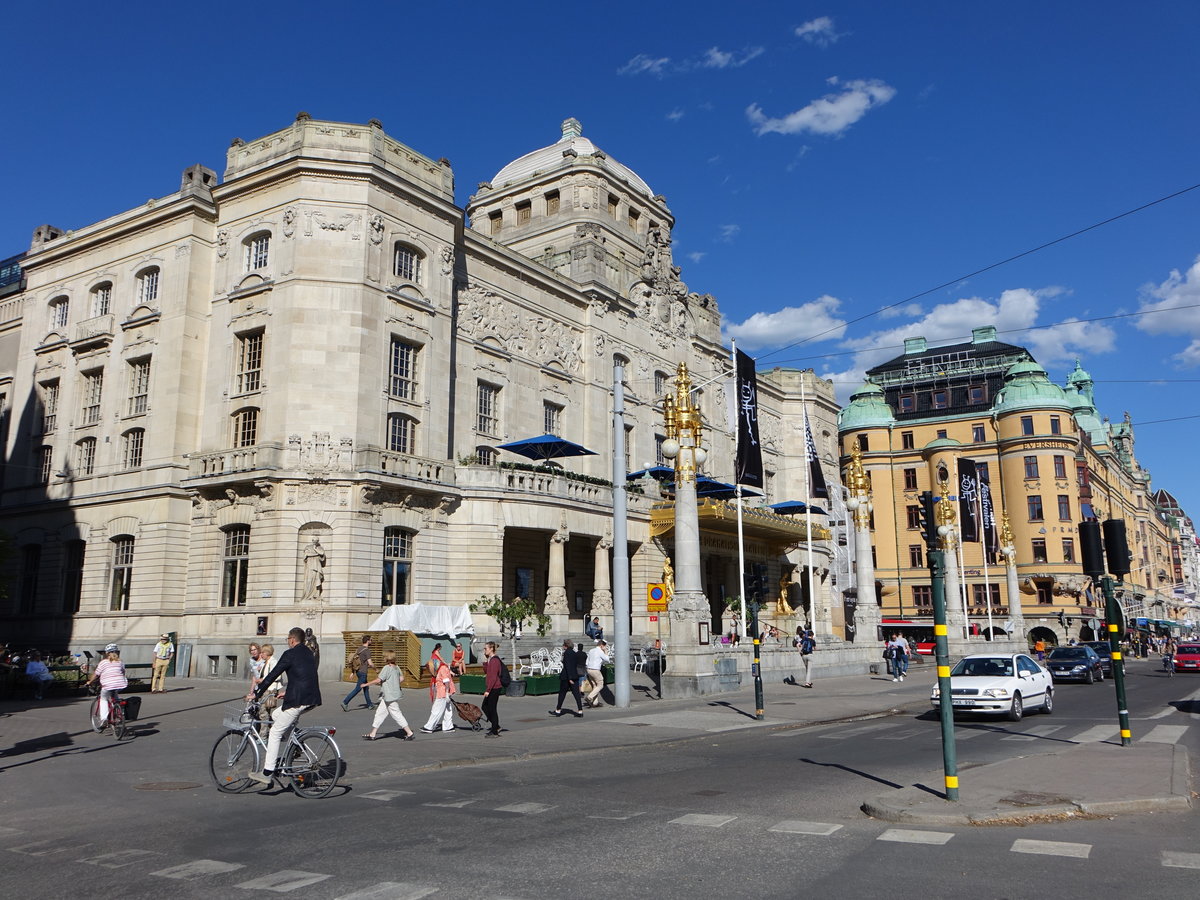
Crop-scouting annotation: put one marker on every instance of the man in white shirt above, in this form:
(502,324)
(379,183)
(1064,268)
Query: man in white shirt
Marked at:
(900,650)
(163,651)
(596,658)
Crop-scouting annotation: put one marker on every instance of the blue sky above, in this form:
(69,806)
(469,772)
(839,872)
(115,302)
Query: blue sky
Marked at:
(823,160)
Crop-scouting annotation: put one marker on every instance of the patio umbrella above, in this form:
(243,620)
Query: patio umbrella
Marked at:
(793,507)
(546,447)
(716,490)
(658,473)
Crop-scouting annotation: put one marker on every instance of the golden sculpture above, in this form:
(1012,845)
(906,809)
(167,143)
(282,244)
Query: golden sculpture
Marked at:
(683,424)
(944,515)
(782,607)
(859,486)
(668,577)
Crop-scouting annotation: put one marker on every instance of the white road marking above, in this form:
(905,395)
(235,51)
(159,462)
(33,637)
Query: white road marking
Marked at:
(966,734)
(1095,734)
(702,820)
(904,734)
(856,732)
(384,795)
(120,859)
(391,890)
(1165,734)
(616,817)
(1180,860)
(910,836)
(452,804)
(5,831)
(45,848)
(1051,848)
(282,882)
(198,868)
(524,809)
(794,827)
(1034,733)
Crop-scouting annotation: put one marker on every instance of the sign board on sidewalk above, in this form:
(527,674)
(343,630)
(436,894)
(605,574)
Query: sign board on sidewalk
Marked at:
(656,598)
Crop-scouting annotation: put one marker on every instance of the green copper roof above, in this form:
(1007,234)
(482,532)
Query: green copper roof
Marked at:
(867,409)
(1027,386)
(938,443)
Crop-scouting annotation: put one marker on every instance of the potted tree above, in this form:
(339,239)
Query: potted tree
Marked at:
(518,612)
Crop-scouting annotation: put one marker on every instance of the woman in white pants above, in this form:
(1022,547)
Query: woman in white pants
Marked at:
(441,717)
(389,680)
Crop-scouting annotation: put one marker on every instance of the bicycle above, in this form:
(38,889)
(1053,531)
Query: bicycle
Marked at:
(311,758)
(115,717)
(1168,662)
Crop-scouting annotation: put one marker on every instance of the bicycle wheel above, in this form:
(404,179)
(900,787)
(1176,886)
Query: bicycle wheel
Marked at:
(314,764)
(116,715)
(97,719)
(234,757)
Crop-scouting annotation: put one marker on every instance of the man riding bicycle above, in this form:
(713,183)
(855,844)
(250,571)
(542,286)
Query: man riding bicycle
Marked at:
(302,693)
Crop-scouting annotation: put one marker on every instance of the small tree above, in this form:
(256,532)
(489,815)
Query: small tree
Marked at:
(516,613)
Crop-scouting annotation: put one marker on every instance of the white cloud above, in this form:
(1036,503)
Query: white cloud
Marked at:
(895,312)
(728,233)
(675,115)
(716,58)
(831,114)
(643,64)
(818,31)
(696,255)
(1179,289)
(790,324)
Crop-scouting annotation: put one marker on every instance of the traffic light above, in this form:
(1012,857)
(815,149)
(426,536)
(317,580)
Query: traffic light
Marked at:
(1116,547)
(929,519)
(1062,618)
(1093,549)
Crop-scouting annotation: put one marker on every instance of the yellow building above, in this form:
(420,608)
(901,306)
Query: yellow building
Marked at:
(1050,461)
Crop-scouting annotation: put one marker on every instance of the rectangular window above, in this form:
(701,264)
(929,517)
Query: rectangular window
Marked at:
(72,575)
(922,596)
(495,222)
(131,451)
(552,203)
(257,251)
(977,434)
(660,383)
(914,516)
(402,380)
(85,458)
(976,394)
(31,566)
(235,566)
(524,212)
(941,432)
(248,376)
(551,417)
(1033,505)
(406,264)
(402,432)
(1045,592)
(1026,425)
(1039,550)
(60,311)
(397,566)
(613,200)
(139,387)
(910,479)
(121,574)
(1060,467)
(939,399)
(49,407)
(1055,425)
(93,388)
(864,443)
(633,219)
(906,402)
(147,286)
(45,464)
(1064,507)
(245,428)
(1068,545)
(916,555)
(907,441)
(981,595)
(659,458)
(102,300)
(487,420)
(1031,467)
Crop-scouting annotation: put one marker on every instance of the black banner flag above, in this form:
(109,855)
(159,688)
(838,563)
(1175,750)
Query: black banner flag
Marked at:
(989,515)
(748,466)
(968,500)
(817,486)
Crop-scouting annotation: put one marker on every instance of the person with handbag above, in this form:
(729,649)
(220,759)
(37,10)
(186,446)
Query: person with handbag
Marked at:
(360,662)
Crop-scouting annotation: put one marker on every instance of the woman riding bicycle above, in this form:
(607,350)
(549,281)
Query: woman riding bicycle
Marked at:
(111,673)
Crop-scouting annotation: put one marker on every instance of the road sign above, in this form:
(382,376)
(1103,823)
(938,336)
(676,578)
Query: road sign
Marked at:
(656,598)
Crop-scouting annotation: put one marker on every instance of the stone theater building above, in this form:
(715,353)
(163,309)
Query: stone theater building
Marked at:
(276,397)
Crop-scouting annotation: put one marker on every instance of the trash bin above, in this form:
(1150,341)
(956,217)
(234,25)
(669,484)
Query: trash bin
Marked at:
(133,708)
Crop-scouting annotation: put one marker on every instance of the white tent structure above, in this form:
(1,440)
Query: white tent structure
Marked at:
(420,619)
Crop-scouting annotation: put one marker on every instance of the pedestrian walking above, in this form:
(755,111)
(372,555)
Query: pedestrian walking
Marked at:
(492,688)
(274,692)
(900,653)
(255,666)
(806,645)
(568,680)
(389,679)
(441,689)
(360,663)
(596,659)
(163,651)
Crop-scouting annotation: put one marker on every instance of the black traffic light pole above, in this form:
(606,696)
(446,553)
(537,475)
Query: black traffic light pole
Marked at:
(1116,548)
(937,580)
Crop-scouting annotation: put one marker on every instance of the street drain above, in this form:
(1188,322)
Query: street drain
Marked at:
(167,786)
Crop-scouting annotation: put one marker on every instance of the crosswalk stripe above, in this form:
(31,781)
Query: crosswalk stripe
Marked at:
(524,809)
(451,804)
(903,734)
(198,868)
(911,836)
(391,890)
(45,848)
(966,734)
(702,820)
(618,817)
(1095,734)
(844,733)
(282,882)
(1051,848)
(794,827)
(120,859)
(384,795)
(1034,733)
(1180,860)
(5,831)
(1165,734)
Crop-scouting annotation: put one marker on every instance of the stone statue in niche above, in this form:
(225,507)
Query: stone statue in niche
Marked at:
(314,572)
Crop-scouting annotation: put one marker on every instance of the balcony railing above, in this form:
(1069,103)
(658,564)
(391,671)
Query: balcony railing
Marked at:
(98,329)
(234,460)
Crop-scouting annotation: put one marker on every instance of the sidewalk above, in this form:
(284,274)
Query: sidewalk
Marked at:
(1109,779)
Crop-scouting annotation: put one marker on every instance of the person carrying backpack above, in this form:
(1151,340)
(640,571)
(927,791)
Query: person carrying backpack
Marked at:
(805,645)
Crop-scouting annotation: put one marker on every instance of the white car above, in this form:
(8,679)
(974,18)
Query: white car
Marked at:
(998,683)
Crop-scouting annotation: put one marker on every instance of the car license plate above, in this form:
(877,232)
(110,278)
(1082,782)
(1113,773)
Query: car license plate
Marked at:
(962,702)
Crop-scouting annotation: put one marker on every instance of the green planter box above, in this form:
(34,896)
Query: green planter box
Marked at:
(541,684)
(471,684)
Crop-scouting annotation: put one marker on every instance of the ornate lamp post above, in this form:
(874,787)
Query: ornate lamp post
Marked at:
(947,528)
(859,504)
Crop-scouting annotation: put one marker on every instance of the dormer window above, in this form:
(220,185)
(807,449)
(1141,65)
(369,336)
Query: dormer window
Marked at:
(406,263)
(258,251)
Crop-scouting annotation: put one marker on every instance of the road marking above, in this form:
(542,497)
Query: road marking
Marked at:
(909,836)
(966,734)
(384,795)
(702,820)
(904,734)
(5,831)
(1165,734)
(451,804)
(120,859)
(1034,733)
(855,732)
(391,890)
(45,848)
(198,868)
(1051,848)
(1180,860)
(282,882)
(1095,734)
(524,809)
(794,827)
(616,817)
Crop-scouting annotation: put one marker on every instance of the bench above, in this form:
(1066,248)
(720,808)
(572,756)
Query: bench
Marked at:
(143,673)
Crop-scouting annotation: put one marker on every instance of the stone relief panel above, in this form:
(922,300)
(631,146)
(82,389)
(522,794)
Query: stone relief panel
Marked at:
(435,509)
(548,341)
(319,454)
(319,221)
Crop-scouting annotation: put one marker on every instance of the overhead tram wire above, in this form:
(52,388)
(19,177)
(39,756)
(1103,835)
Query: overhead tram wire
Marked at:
(988,268)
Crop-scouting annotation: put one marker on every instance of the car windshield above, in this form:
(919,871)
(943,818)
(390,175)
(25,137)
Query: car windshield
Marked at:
(1069,653)
(1102,649)
(1188,648)
(984,666)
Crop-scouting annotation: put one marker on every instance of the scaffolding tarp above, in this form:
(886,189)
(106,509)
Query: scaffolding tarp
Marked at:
(421,619)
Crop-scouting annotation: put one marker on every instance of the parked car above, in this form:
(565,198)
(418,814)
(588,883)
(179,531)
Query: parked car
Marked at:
(1005,684)
(1187,658)
(1075,664)
(1104,651)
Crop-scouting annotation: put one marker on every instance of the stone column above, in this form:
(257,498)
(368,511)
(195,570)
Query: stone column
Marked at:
(602,598)
(956,620)
(556,581)
(1016,615)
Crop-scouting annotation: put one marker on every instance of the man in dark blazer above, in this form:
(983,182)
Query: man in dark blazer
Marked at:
(303,692)
(568,680)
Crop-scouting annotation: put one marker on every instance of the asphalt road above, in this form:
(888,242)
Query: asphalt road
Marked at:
(754,813)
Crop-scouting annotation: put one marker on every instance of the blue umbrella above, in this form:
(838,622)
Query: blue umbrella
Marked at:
(546,447)
(716,490)
(658,473)
(792,507)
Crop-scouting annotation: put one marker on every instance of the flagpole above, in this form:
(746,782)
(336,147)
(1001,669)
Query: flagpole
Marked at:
(738,489)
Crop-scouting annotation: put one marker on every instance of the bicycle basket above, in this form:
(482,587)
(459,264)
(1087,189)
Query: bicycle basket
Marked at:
(235,715)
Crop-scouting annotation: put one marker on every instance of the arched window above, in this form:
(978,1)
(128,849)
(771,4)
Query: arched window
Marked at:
(485,455)
(406,263)
(102,299)
(85,456)
(235,565)
(257,251)
(121,577)
(132,443)
(147,285)
(60,308)
(245,427)
(397,566)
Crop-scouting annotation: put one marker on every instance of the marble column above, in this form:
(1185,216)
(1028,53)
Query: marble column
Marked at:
(956,619)
(556,581)
(602,598)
